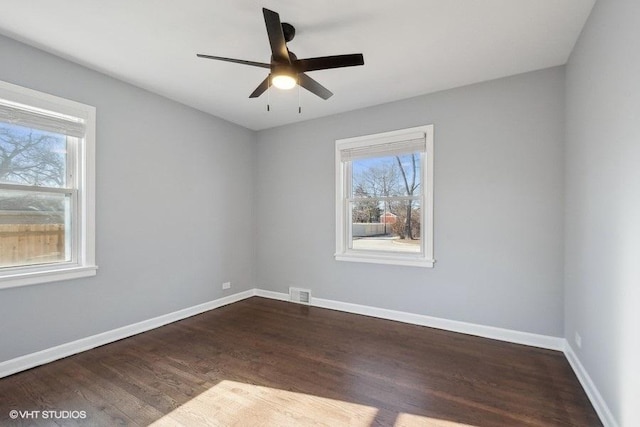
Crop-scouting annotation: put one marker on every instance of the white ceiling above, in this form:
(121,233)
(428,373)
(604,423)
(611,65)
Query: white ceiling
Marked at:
(410,47)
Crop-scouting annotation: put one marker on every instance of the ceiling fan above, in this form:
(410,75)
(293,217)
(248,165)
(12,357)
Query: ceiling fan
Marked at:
(286,70)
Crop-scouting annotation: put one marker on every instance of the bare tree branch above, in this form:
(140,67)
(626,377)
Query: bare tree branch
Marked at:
(31,157)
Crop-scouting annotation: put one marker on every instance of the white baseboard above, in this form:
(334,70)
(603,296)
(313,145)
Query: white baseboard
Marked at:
(272,295)
(32,360)
(517,337)
(590,388)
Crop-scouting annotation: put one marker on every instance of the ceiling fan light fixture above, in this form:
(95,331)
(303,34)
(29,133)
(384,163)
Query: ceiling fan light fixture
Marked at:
(286,70)
(284,81)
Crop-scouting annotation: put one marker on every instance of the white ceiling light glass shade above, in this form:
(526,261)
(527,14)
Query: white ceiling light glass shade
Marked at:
(283,81)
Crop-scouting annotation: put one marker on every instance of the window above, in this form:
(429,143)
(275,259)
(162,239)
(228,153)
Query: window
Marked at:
(46,187)
(384,198)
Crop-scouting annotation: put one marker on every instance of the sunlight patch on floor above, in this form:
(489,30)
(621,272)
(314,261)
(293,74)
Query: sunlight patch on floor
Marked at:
(234,403)
(410,420)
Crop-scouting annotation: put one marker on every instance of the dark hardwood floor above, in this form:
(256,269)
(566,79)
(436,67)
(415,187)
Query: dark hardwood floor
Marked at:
(272,363)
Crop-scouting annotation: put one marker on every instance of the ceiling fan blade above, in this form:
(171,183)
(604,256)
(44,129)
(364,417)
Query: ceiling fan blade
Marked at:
(327,62)
(237,61)
(313,86)
(276,36)
(261,88)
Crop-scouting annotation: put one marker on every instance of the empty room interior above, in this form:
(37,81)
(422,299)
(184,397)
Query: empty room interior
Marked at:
(320,213)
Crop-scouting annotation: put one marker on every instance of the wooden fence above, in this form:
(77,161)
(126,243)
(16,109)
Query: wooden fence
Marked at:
(22,244)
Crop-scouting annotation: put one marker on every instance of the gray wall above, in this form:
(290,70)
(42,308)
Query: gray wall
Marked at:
(498,206)
(603,204)
(174,210)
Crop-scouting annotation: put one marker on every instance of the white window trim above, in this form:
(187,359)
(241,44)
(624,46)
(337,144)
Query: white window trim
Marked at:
(343,253)
(83,262)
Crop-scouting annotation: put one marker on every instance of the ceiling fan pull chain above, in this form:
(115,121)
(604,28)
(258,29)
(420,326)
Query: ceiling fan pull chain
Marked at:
(268,94)
(299,106)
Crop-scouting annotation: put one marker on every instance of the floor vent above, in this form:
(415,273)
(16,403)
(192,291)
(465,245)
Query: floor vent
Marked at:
(302,296)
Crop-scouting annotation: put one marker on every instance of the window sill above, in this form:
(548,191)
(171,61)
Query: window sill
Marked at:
(385,259)
(34,277)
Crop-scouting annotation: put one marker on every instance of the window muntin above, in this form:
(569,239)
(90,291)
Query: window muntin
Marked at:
(46,187)
(384,197)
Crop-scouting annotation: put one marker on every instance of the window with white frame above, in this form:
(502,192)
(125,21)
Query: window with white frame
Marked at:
(47,186)
(384,198)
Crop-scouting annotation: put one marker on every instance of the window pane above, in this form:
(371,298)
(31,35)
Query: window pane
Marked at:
(34,228)
(381,225)
(387,176)
(32,157)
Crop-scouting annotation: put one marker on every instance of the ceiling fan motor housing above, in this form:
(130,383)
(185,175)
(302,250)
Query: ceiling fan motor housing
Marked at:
(289,31)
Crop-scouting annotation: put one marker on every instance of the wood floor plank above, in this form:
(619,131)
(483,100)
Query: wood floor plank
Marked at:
(263,362)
